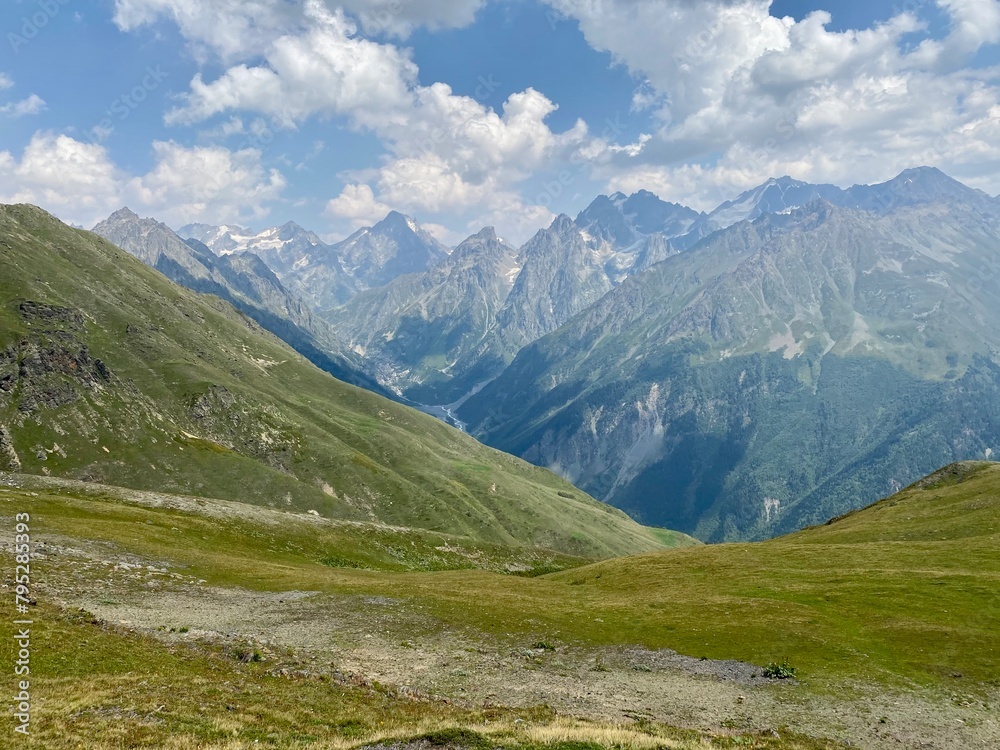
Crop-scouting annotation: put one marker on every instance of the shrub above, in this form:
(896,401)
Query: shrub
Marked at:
(247,655)
(782,671)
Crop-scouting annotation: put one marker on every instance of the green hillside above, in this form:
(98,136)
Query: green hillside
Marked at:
(902,592)
(111,373)
(889,610)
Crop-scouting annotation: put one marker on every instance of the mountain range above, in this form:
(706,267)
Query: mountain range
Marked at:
(738,373)
(111,373)
(329,275)
(242,279)
(519,295)
(781,372)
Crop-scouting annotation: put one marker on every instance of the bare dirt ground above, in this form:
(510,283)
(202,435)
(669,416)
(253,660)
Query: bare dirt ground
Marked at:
(393,642)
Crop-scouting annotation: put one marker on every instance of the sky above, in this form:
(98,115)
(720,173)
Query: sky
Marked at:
(467,113)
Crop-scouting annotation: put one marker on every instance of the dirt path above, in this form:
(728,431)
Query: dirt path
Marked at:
(394,642)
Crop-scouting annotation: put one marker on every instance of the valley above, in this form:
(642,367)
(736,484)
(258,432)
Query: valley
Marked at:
(325,566)
(797,352)
(500,375)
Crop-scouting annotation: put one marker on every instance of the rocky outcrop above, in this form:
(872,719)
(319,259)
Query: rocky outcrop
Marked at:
(52,367)
(245,426)
(49,374)
(53,317)
(9,460)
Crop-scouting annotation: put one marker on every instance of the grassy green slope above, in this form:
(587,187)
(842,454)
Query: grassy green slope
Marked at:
(192,397)
(905,592)
(212,530)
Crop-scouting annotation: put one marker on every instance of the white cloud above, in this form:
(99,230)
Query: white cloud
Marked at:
(358,205)
(453,151)
(74,180)
(228,28)
(239,29)
(445,153)
(688,50)
(210,184)
(748,96)
(325,70)
(456,157)
(232,126)
(79,182)
(739,95)
(515,218)
(32,105)
(974,23)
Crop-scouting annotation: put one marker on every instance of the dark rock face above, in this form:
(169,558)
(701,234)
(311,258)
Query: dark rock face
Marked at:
(49,369)
(48,375)
(8,370)
(9,460)
(243,425)
(51,315)
(217,400)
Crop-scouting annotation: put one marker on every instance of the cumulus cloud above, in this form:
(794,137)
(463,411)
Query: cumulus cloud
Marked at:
(737,94)
(81,184)
(210,184)
(974,23)
(238,29)
(227,28)
(687,50)
(327,69)
(457,157)
(74,180)
(746,95)
(358,206)
(444,152)
(32,105)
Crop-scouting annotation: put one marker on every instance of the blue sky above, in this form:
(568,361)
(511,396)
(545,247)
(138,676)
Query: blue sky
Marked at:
(468,112)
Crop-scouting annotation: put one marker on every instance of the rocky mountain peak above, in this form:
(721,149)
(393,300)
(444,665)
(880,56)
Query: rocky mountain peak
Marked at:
(913,187)
(123,214)
(562,224)
(395,221)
